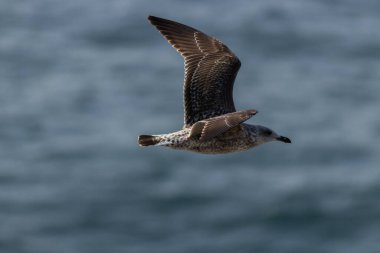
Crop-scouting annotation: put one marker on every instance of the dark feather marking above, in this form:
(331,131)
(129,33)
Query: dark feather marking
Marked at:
(209,128)
(210,70)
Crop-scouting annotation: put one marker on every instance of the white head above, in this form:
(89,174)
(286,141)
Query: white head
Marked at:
(265,134)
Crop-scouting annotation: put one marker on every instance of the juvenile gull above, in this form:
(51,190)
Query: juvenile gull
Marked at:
(212,125)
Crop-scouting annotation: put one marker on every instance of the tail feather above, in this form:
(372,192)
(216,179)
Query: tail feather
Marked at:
(148,140)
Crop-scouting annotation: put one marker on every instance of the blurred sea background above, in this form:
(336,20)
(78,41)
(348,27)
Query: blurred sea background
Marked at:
(81,79)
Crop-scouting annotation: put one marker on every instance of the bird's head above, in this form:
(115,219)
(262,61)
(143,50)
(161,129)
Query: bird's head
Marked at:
(266,135)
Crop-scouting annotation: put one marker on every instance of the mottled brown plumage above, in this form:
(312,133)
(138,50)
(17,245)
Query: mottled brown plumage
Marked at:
(211,123)
(210,70)
(207,129)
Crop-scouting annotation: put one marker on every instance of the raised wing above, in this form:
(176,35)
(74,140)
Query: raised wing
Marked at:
(207,129)
(210,70)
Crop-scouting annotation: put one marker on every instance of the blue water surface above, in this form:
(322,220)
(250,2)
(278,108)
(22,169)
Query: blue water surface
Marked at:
(81,79)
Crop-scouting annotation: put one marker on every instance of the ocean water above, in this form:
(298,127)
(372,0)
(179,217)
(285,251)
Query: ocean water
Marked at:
(81,79)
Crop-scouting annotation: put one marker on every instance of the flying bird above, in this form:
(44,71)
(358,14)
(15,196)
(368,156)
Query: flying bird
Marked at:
(211,123)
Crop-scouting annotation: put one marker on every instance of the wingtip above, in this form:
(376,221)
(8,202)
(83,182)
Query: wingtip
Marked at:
(154,18)
(150,18)
(157,20)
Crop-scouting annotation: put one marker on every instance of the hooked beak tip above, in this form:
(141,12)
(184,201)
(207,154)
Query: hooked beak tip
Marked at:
(284,139)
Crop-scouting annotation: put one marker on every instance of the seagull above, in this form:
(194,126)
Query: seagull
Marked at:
(211,123)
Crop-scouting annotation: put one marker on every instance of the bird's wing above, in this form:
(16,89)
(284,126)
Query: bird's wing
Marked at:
(206,129)
(210,70)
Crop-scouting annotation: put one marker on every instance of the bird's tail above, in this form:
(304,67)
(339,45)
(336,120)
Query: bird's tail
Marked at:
(148,140)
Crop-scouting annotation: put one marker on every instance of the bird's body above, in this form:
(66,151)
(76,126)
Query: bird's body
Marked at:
(212,125)
(239,138)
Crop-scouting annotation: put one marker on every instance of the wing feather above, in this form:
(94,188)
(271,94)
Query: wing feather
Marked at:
(207,129)
(210,70)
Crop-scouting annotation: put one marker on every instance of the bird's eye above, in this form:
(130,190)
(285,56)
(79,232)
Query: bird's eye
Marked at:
(268,132)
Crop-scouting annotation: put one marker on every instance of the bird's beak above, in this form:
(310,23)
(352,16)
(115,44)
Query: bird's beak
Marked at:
(284,139)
